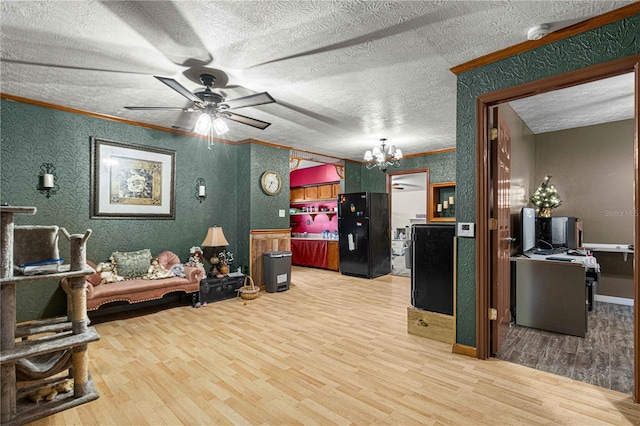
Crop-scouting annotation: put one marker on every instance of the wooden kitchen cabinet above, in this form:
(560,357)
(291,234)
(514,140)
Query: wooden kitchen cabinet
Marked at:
(325,192)
(310,193)
(335,190)
(333,255)
(297,194)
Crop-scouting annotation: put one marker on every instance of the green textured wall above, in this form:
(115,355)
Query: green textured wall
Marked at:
(257,210)
(352,177)
(264,208)
(62,138)
(604,44)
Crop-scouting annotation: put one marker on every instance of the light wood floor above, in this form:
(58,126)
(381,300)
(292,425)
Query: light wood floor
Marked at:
(331,350)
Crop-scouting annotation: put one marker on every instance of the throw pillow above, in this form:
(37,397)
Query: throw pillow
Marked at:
(132,264)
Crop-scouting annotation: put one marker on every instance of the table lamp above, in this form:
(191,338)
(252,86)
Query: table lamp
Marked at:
(215,238)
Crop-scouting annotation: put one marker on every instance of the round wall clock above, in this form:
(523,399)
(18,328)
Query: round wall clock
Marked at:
(271,182)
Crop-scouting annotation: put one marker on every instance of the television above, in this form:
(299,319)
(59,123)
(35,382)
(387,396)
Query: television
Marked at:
(527,229)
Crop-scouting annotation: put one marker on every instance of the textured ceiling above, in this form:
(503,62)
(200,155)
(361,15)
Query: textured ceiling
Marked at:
(344,73)
(593,103)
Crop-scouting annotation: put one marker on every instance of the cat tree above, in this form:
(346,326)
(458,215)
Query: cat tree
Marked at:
(50,350)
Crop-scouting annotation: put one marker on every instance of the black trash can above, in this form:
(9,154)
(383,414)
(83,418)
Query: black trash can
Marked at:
(277,270)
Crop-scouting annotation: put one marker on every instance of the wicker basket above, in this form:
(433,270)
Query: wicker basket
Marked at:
(249,292)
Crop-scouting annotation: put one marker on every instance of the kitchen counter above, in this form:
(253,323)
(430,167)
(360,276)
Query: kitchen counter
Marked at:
(316,252)
(313,239)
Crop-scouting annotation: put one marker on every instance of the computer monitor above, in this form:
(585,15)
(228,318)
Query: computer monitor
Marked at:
(527,229)
(557,231)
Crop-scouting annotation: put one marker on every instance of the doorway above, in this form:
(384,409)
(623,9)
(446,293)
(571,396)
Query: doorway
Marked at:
(580,165)
(484,183)
(408,193)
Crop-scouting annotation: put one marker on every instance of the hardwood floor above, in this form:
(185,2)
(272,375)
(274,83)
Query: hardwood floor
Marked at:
(331,350)
(604,357)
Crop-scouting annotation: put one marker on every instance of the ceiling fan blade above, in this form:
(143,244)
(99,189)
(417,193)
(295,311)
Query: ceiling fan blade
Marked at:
(165,27)
(180,89)
(251,100)
(69,67)
(432,17)
(246,120)
(134,108)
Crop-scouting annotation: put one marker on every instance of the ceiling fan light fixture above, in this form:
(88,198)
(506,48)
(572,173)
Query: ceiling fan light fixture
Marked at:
(203,125)
(220,126)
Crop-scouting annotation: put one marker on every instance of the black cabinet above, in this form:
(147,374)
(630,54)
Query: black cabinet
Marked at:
(432,253)
(215,289)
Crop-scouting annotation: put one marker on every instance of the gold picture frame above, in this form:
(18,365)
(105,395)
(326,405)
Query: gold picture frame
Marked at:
(131,181)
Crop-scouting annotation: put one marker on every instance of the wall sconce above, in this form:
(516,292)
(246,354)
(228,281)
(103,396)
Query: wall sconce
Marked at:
(201,191)
(47,180)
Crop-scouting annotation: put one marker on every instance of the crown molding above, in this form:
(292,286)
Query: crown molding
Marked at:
(581,27)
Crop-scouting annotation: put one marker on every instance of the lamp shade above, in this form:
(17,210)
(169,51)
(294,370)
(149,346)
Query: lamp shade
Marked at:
(203,124)
(220,126)
(215,238)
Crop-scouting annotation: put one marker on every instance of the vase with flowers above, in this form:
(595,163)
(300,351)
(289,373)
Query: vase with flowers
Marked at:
(226,258)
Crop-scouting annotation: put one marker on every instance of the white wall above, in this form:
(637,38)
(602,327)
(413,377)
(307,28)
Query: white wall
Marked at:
(405,205)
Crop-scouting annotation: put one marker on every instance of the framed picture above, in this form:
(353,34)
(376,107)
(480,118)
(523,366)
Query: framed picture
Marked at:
(131,181)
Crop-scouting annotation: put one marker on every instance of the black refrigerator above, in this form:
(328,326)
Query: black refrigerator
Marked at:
(363,227)
(432,268)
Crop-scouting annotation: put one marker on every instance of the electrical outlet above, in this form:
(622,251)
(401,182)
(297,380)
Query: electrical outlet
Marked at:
(281,213)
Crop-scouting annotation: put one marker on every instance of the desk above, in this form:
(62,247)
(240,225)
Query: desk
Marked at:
(616,284)
(609,248)
(552,295)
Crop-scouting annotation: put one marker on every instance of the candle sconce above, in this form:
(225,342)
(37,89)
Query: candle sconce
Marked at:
(201,194)
(47,180)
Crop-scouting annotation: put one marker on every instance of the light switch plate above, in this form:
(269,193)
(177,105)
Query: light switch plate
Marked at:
(281,213)
(466,229)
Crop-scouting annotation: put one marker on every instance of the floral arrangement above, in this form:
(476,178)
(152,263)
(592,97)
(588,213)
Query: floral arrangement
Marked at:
(226,257)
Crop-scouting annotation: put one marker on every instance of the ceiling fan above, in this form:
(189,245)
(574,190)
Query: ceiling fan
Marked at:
(214,106)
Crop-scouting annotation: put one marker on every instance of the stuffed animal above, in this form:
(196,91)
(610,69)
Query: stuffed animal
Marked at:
(177,270)
(108,273)
(49,393)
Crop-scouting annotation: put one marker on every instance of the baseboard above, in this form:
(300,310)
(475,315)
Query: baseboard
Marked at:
(613,299)
(464,350)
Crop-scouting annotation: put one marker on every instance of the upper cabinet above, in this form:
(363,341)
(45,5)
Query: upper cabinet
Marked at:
(442,207)
(335,190)
(325,192)
(311,193)
(297,194)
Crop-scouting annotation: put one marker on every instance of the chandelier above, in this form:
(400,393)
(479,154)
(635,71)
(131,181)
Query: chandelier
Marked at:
(382,158)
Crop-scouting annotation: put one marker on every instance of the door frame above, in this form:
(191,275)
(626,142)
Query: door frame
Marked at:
(483,185)
(407,172)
